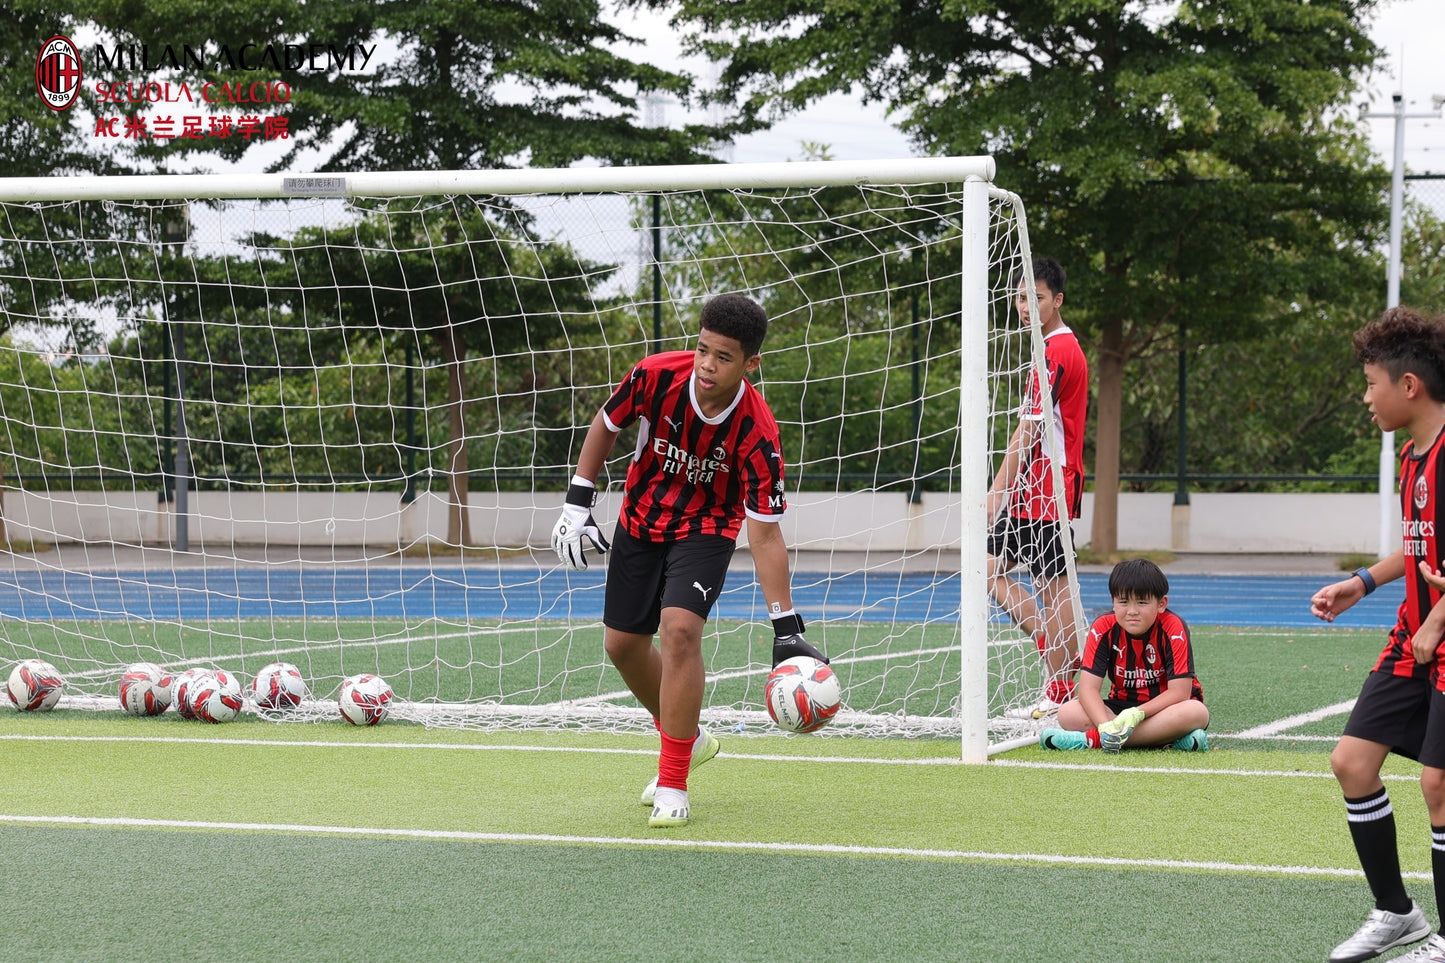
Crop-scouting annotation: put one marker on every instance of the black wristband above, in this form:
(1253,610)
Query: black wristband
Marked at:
(1363,574)
(788,625)
(581,495)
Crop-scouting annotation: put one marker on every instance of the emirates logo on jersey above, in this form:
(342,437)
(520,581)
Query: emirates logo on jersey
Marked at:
(680,461)
(1422,492)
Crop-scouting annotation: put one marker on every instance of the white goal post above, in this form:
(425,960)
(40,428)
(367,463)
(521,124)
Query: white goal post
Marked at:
(328,419)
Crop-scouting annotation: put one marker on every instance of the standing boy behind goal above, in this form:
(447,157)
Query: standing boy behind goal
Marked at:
(1027,527)
(708,455)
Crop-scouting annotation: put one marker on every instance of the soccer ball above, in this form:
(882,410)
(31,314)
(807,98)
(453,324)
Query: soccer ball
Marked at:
(34,685)
(145,689)
(181,688)
(365,699)
(215,697)
(279,686)
(802,694)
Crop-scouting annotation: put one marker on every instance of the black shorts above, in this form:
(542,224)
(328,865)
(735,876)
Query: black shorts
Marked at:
(1432,752)
(1392,710)
(643,578)
(1029,541)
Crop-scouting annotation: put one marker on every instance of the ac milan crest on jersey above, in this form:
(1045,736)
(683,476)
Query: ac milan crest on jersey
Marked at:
(57,72)
(1422,492)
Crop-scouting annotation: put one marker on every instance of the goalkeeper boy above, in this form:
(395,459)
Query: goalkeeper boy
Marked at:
(707,456)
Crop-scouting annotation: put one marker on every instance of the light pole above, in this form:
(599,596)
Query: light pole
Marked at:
(1389,510)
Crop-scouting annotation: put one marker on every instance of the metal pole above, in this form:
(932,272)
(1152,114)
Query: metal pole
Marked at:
(183,448)
(408,494)
(657,272)
(167,456)
(915,492)
(1389,508)
(1181,487)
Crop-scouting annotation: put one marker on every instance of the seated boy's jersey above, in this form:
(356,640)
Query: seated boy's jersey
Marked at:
(693,475)
(1140,669)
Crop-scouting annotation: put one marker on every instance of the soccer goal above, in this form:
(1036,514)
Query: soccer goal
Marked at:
(329,419)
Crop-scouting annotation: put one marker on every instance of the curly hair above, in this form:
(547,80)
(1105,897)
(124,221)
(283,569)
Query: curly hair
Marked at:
(738,317)
(1405,341)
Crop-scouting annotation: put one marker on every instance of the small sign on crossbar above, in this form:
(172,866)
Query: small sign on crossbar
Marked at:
(331,186)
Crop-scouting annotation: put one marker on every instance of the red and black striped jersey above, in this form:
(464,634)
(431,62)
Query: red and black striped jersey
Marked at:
(1140,669)
(690,474)
(1420,478)
(1068,407)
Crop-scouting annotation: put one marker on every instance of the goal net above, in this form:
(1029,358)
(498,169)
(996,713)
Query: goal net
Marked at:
(329,420)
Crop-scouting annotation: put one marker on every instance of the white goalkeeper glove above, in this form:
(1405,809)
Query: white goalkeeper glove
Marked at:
(576,524)
(788,641)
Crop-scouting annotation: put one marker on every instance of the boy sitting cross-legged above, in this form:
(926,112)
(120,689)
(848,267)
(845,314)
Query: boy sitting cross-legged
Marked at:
(1143,649)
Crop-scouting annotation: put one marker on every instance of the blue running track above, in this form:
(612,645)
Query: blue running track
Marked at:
(401,592)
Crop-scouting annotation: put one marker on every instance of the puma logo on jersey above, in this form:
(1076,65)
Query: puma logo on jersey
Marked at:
(704,591)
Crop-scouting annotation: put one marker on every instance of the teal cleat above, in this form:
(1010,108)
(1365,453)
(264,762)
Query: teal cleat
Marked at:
(1063,739)
(704,747)
(1114,733)
(1196,741)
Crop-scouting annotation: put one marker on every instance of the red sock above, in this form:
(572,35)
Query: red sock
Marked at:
(673,764)
(1042,642)
(1060,690)
(1092,738)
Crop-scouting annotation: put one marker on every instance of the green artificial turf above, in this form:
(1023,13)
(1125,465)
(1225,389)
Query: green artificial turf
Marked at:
(256,840)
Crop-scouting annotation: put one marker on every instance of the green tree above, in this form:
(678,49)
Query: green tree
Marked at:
(1191,164)
(525,82)
(454,279)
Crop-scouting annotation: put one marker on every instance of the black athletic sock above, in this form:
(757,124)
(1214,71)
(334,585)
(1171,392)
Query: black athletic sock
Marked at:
(1437,864)
(1372,827)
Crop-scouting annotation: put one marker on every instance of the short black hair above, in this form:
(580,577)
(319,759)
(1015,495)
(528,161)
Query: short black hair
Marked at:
(1137,578)
(1047,270)
(738,317)
(1405,341)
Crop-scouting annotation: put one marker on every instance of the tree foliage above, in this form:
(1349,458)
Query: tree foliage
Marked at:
(1189,163)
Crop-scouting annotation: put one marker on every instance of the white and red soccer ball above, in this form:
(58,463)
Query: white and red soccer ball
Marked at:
(215,697)
(279,686)
(365,699)
(145,689)
(34,686)
(182,686)
(802,694)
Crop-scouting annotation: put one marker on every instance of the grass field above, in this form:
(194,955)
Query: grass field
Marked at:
(253,840)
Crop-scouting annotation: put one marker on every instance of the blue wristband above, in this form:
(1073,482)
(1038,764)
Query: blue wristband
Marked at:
(1363,574)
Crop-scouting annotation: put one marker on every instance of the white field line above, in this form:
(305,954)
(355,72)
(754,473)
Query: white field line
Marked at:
(1289,722)
(698,844)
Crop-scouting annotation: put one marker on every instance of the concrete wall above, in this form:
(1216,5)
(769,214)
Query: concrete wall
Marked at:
(841,522)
